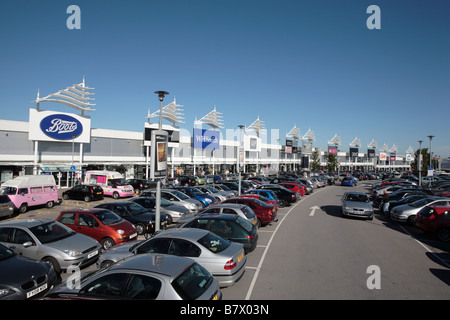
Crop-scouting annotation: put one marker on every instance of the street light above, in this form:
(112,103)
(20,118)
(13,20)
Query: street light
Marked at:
(431,138)
(161,95)
(239,158)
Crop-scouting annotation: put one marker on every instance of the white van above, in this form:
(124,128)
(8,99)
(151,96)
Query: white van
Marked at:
(112,183)
(31,190)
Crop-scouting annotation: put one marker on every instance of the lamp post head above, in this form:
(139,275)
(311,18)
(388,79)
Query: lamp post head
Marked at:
(431,137)
(161,94)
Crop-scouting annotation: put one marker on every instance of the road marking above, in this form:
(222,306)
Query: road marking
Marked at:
(313,209)
(258,268)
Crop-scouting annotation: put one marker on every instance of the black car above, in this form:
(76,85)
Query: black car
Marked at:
(228,226)
(142,219)
(22,278)
(285,196)
(141,184)
(187,180)
(84,192)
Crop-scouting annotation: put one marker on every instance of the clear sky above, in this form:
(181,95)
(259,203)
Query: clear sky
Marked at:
(309,63)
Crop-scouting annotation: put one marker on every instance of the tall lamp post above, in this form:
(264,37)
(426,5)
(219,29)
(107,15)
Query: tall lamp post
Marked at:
(161,95)
(239,158)
(420,164)
(431,138)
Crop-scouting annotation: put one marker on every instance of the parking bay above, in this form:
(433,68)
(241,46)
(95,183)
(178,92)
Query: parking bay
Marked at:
(314,253)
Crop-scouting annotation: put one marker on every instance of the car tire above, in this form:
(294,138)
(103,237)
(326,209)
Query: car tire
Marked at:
(412,220)
(65,196)
(23,208)
(50,204)
(106,263)
(54,263)
(443,234)
(87,199)
(140,228)
(107,243)
(116,195)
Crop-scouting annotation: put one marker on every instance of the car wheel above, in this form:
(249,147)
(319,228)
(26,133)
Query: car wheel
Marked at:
(65,196)
(140,228)
(169,219)
(412,219)
(108,243)
(50,204)
(23,208)
(443,234)
(115,195)
(283,203)
(87,198)
(54,263)
(106,264)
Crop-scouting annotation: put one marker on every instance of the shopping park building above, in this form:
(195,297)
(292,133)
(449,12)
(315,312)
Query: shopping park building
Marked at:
(65,145)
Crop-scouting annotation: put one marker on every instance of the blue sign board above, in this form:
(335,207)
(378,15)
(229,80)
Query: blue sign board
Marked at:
(206,139)
(61,127)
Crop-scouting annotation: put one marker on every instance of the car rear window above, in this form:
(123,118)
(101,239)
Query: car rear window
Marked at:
(245,224)
(248,212)
(192,282)
(214,243)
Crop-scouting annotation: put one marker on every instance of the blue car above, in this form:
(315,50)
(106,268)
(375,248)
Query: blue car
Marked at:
(348,181)
(266,193)
(197,194)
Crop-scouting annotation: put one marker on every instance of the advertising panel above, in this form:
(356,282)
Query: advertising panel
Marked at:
(159,152)
(252,143)
(206,139)
(353,152)
(59,126)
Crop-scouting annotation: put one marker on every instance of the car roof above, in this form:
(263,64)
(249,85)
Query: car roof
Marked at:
(27,223)
(221,216)
(85,210)
(355,192)
(159,263)
(228,205)
(186,233)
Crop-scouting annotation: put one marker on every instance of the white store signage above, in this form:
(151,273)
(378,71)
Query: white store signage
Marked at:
(59,126)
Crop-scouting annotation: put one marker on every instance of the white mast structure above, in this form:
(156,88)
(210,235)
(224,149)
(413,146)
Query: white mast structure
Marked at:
(258,127)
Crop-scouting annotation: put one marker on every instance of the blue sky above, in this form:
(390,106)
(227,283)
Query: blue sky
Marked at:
(313,64)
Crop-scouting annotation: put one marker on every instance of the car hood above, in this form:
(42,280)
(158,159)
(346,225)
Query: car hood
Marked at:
(194,201)
(24,269)
(77,241)
(174,208)
(359,205)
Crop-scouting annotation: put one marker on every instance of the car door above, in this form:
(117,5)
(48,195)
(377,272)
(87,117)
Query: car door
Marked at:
(87,225)
(19,238)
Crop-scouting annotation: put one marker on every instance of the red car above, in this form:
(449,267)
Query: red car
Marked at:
(265,213)
(262,198)
(293,187)
(103,225)
(436,220)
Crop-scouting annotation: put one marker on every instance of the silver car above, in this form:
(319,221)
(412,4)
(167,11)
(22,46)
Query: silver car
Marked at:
(172,212)
(49,241)
(408,212)
(356,204)
(219,195)
(180,199)
(144,277)
(225,260)
(6,206)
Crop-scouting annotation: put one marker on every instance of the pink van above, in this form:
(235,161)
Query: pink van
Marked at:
(112,183)
(31,190)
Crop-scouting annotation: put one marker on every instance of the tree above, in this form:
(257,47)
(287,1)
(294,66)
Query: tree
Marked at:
(315,157)
(331,162)
(424,163)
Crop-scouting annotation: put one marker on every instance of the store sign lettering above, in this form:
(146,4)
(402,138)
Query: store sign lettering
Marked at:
(61,127)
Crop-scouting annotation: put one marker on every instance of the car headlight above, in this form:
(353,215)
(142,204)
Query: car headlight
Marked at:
(5,292)
(72,253)
(121,232)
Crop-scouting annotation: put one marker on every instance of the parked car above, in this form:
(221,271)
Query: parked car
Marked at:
(285,196)
(140,184)
(6,206)
(293,187)
(348,181)
(408,212)
(49,241)
(144,277)
(142,219)
(269,194)
(196,194)
(435,219)
(84,192)
(228,226)
(262,198)
(356,204)
(395,203)
(171,211)
(22,278)
(103,225)
(228,208)
(187,180)
(218,195)
(225,260)
(224,189)
(265,213)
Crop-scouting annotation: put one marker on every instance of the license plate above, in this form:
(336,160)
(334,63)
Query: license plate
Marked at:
(254,222)
(36,291)
(3,207)
(133,235)
(99,193)
(90,255)
(240,257)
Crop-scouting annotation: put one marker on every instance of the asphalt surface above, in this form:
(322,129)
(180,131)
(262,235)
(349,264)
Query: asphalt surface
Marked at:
(312,252)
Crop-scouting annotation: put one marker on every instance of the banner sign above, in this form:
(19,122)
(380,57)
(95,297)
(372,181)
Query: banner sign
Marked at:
(206,139)
(353,152)
(158,155)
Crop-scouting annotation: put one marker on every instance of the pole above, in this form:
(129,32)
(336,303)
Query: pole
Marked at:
(420,165)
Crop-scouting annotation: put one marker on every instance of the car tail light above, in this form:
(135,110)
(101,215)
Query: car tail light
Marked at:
(250,237)
(230,264)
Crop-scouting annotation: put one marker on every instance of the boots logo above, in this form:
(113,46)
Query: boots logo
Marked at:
(61,127)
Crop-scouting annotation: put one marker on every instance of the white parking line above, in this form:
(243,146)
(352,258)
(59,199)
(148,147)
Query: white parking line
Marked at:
(255,277)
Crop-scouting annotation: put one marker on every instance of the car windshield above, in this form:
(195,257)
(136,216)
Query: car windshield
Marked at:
(193,282)
(248,212)
(224,187)
(8,190)
(357,198)
(421,202)
(51,231)
(5,253)
(261,203)
(165,203)
(135,209)
(180,195)
(211,189)
(197,192)
(117,182)
(108,218)
(214,243)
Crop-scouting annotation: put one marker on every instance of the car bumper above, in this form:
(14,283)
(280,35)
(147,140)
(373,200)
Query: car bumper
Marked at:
(357,213)
(81,261)
(399,217)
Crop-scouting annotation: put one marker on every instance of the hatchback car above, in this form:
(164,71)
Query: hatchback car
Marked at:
(435,219)
(171,211)
(285,196)
(144,277)
(103,225)
(228,226)
(218,195)
(141,218)
(408,212)
(265,213)
(196,194)
(356,204)
(6,206)
(348,181)
(22,278)
(49,241)
(84,192)
(228,208)
(177,198)
(223,259)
